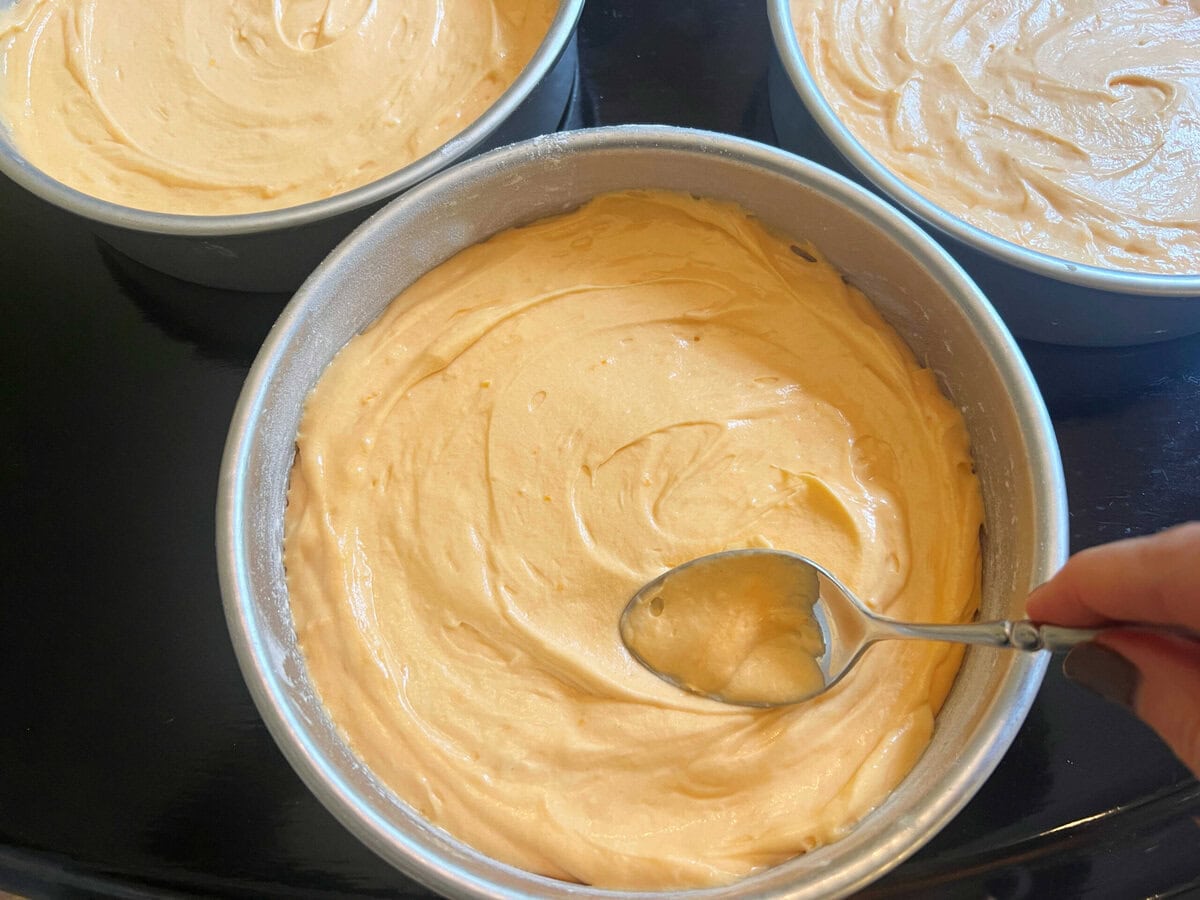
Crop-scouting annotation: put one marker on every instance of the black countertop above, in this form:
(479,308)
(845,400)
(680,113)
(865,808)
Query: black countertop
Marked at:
(132,761)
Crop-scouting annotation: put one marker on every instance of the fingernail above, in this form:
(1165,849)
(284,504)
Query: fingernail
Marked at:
(1104,671)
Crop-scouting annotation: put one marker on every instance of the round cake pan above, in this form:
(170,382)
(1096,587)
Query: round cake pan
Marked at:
(918,288)
(1041,297)
(275,250)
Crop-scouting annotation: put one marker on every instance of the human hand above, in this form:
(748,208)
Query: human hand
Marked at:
(1145,580)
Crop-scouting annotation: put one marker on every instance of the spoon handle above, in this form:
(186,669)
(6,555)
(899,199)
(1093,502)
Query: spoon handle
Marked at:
(1026,635)
(1020,634)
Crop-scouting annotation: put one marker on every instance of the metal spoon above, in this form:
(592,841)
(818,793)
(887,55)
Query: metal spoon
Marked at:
(767,628)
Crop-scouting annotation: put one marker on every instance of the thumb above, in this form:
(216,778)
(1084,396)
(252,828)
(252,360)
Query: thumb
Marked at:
(1156,675)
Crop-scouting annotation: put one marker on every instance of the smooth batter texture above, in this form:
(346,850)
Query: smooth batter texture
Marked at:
(1069,128)
(544,423)
(231,106)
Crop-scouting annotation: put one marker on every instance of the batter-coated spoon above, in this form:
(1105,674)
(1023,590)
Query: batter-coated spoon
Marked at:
(768,628)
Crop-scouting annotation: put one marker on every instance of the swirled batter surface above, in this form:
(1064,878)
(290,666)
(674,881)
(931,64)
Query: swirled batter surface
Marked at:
(545,422)
(230,106)
(1069,128)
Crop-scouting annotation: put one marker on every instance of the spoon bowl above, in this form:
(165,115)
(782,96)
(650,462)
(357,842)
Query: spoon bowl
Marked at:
(765,628)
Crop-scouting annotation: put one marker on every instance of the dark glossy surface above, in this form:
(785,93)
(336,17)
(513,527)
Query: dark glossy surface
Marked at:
(131,759)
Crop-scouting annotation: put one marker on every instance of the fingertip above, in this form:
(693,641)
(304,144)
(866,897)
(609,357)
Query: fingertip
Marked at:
(1145,579)
(1062,599)
(1036,600)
